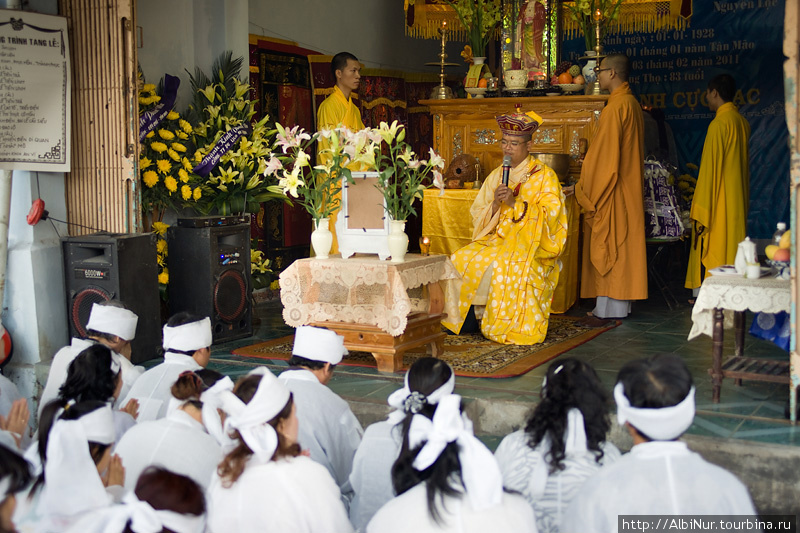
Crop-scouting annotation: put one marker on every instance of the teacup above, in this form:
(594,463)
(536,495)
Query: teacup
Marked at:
(516,79)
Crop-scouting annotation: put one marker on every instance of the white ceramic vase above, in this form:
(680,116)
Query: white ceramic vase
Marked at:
(478,60)
(398,240)
(321,239)
(588,69)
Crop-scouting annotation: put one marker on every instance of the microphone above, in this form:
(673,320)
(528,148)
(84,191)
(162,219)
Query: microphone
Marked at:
(506,169)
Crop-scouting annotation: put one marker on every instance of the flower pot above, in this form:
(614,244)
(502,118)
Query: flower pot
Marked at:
(398,241)
(478,60)
(321,239)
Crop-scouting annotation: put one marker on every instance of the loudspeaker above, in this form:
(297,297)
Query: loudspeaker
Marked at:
(120,266)
(209,275)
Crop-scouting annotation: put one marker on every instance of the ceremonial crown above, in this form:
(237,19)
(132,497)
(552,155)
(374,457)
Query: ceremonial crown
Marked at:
(519,123)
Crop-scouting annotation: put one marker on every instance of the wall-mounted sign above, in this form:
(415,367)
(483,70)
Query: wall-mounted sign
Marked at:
(34,92)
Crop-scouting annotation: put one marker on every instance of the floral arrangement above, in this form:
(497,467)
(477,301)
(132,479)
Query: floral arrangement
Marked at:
(585,12)
(164,167)
(237,183)
(316,188)
(260,272)
(160,231)
(479,18)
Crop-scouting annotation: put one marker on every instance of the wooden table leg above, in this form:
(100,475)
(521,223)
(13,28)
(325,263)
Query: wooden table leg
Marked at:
(389,362)
(716,355)
(738,326)
(435,298)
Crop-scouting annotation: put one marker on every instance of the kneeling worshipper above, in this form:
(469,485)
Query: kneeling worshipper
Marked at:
(265,483)
(15,476)
(328,428)
(519,231)
(448,480)
(426,382)
(79,474)
(562,444)
(163,501)
(186,440)
(109,324)
(660,476)
(187,343)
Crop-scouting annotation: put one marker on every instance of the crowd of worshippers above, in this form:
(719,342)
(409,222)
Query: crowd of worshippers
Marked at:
(181,448)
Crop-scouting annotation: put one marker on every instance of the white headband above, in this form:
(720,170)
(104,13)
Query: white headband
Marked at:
(250,419)
(144,519)
(72,483)
(113,320)
(666,423)
(213,399)
(403,400)
(115,366)
(319,344)
(188,337)
(479,469)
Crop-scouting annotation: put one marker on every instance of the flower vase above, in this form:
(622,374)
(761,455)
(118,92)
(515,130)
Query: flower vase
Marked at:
(588,71)
(398,240)
(321,239)
(478,60)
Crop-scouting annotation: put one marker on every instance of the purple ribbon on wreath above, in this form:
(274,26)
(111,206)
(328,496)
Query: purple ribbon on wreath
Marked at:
(221,148)
(149,120)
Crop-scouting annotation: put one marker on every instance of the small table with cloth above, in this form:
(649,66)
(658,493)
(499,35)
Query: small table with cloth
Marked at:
(367,301)
(722,302)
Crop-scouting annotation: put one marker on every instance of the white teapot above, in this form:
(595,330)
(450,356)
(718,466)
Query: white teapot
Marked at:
(745,254)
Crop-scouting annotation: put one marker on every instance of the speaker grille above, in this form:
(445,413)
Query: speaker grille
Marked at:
(230,295)
(82,306)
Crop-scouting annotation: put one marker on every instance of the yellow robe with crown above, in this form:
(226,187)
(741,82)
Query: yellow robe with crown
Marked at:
(523,243)
(334,111)
(722,194)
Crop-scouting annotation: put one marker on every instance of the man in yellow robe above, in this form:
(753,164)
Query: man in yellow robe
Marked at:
(519,232)
(338,109)
(721,197)
(614,264)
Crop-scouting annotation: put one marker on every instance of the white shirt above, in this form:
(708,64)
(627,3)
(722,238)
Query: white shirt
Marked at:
(526,470)
(178,442)
(371,477)
(656,478)
(152,389)
(59,367)
(9,393)
(328,428)
(290,495)
(409,512)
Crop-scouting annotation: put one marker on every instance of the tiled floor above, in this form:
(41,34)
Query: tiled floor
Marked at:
(754,411)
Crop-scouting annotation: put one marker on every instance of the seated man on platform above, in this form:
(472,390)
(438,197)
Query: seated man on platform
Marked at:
(520,229)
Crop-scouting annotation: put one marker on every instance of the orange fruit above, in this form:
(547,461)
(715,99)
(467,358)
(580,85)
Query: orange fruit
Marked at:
(482,83)
(566,77)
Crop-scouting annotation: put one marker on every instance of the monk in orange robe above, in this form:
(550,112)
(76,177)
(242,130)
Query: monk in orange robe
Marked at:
(614,267)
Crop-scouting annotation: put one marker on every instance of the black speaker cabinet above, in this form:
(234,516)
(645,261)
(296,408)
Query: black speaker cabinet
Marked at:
(106,266)
(209,275)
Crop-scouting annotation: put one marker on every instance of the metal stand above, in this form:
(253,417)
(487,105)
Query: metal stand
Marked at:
(442,91)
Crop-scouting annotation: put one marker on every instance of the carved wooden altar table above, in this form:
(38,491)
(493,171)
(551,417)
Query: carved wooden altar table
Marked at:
(377,306)
(721,303)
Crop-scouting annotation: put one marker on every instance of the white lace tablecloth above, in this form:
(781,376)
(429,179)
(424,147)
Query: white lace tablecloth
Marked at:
(767,295)
(360,290)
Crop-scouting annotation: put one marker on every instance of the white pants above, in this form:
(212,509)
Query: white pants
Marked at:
(606,307)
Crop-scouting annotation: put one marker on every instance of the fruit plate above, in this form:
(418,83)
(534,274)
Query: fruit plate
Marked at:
(571,87)
(476,92)
(781,268)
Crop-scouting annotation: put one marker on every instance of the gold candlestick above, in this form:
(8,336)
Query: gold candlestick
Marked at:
(442,91)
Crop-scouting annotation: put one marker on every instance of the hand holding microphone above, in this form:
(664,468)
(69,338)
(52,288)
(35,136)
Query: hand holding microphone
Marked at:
(503,194)
(506,169)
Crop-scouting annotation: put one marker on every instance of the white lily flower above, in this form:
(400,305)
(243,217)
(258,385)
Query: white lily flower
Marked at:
(436,160)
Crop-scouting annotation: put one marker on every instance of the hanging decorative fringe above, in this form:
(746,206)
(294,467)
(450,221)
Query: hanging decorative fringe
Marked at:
(428,18)
(645,16)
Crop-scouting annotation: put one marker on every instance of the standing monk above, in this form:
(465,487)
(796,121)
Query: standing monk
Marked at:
(614,268)
(338,109)
(719,207)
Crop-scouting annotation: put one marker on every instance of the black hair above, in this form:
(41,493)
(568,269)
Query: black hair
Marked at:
(14,467)
(620,63)
(310,364)
(571,384)
(89,376)
(658,381)
(71,412)
(425,376)
(168,491)
(725,86)
(339,62)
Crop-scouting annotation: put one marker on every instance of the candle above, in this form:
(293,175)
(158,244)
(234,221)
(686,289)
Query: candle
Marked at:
(424,245)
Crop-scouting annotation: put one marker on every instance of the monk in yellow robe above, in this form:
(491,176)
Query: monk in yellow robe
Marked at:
(338,109)
(721,197)
(519,232)
(614,263)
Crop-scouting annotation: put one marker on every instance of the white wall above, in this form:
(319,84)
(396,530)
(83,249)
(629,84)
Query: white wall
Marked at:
(373,30)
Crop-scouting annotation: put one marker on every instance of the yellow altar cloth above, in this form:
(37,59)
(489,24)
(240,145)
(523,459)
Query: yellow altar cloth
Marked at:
(447,223)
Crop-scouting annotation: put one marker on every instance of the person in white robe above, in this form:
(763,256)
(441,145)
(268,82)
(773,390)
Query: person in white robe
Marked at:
(15,476)
(9,393)
(180,441)
(562,444)
(328,428)
(80,474)
(265,483)
(371,477)
(162,500)
(187,342)
(655,401)
(447,480)
(14,424)
(109,324)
